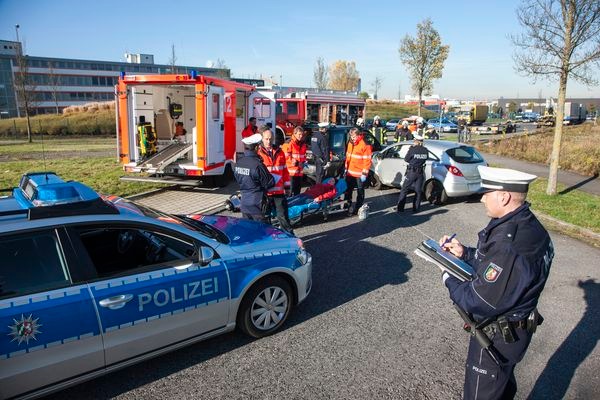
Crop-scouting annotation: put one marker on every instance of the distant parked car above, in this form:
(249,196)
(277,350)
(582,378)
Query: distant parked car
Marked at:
(450,171)
(530,117)
(443,125)
(392,124)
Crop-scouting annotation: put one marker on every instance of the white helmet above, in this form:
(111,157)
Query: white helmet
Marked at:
(405,124)
(360,122)
(376,118)
(420,120)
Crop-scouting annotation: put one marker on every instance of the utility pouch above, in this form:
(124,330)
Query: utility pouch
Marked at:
(533,320)
(506,330)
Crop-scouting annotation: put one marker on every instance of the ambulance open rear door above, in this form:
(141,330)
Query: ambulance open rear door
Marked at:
(215,128)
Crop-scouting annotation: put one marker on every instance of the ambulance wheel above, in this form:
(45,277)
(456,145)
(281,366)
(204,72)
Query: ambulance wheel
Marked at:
(265,307)
(435,192)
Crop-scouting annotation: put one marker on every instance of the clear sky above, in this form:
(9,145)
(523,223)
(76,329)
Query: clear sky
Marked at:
(284,38)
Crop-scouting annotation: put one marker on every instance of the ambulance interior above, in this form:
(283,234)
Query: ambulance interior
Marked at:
(161,108)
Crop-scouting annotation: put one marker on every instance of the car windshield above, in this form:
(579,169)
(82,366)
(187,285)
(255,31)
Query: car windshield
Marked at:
(465,155)
(189,223)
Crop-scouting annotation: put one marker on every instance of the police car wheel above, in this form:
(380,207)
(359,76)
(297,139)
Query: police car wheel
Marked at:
(265,307)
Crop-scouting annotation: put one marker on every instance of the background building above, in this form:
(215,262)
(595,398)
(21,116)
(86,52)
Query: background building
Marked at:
(60,82)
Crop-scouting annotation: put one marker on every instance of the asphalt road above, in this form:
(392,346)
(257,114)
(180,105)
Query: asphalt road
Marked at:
(378,324)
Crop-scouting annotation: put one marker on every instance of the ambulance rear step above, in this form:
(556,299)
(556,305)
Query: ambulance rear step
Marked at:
(167,180)
(166,156)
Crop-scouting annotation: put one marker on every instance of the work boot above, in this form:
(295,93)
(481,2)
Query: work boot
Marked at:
(399,208)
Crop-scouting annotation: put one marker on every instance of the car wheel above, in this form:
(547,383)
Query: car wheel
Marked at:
(265,307)
(435,192)
(376,182)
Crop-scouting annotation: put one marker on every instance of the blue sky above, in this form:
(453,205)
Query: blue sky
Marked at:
(284,38)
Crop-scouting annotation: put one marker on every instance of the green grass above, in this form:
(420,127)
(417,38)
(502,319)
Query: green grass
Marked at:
(575,207)
(100,173)
(97,122)
(57,144)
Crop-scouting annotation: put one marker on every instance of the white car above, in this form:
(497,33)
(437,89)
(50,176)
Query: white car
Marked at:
(450,171)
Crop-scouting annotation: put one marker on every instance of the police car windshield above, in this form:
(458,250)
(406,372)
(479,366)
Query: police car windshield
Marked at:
(189,223)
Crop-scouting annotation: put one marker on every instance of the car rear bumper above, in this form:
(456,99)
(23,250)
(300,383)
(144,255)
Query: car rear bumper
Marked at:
(456,188)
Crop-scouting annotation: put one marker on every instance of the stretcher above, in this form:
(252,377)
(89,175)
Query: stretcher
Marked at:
(324,198)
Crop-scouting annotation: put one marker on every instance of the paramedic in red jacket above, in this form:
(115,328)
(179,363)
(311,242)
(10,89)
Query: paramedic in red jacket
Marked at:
(358,163)
(251,129)
(295,155)
(274,160)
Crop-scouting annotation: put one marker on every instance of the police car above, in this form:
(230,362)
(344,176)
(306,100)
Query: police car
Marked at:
(90,283)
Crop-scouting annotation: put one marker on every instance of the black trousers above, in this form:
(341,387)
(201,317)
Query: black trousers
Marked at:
(279,202)
(320,170)
(414,181)
(352,183)
(484,379)
(295,184)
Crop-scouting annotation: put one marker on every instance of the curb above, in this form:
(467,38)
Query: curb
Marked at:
(568,229)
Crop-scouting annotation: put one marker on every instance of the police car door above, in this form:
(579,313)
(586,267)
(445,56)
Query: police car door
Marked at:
(215,126)
(48,326)
(152,291)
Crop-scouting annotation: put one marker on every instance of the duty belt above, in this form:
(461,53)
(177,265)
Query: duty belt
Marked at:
(415,168)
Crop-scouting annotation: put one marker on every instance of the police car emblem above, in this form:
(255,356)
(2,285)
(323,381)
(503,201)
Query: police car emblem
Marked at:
(492,272)
(24,329)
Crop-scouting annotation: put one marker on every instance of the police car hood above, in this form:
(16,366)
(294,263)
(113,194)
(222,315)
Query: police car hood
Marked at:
(249,236)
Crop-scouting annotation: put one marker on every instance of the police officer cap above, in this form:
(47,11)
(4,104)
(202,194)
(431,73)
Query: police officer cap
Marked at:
(323,124)
(505,179)
(416,136)
(252,139)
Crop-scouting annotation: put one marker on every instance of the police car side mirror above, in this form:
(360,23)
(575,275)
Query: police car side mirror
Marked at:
(206,255)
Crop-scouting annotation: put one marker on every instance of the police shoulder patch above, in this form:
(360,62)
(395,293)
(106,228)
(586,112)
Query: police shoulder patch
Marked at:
(492,272)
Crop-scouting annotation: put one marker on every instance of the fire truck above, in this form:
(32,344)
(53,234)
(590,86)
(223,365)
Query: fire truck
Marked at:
(172,127)
(298,108)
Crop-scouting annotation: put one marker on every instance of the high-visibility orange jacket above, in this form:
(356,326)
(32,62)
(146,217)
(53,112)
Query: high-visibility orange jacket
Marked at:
(249,131)
(358,158)
(274,160)
(295,156)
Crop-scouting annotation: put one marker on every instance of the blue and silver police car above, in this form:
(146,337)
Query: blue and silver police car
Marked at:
(90,283)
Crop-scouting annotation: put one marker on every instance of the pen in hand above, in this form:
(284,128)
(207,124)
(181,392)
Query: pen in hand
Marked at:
(448,240)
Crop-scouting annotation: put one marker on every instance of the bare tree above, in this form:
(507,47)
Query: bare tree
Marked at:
(561,39)
(224,71)
(424,57)
(376,86)
(320,75)
(54,83)
(24,87)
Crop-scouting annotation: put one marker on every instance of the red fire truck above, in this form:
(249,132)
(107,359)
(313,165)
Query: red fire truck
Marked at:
(175,126)
(298,108)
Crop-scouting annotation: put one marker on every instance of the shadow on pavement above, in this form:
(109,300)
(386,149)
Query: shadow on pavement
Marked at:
(554,381)
(578,185)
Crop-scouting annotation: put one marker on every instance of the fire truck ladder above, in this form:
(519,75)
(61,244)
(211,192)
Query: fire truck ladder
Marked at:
(166,156)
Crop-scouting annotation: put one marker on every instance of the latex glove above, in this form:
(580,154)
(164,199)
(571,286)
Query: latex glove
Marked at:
(445,276)
(363,178)
(327,165)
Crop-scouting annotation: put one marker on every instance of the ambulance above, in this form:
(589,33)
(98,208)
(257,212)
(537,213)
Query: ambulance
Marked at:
(173,127)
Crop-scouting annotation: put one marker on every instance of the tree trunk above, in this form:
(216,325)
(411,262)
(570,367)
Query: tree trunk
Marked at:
(419,105)
(558,128)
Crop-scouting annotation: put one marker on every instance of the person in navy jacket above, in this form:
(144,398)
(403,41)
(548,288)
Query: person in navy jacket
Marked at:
(254,179)
(512,261)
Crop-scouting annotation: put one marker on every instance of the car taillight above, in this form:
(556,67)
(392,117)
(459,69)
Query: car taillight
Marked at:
(453,170)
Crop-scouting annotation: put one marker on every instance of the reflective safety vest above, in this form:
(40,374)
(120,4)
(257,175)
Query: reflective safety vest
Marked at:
(274,160)
(295,156)
(358,158)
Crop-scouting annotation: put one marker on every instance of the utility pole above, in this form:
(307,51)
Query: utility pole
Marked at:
(21,83)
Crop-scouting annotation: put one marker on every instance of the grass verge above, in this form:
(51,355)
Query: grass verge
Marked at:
(100,173)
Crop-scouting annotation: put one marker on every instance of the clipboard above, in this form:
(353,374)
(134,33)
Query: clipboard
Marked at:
(431,251)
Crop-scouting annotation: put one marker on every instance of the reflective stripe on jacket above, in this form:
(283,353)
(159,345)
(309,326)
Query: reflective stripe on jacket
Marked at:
(274,160)
(295,156)
(358,158)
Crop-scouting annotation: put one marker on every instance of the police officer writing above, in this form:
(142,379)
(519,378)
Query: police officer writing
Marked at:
(274,160)
(512,260)
(358,163)
(415,157)
(319,145)
(254,180)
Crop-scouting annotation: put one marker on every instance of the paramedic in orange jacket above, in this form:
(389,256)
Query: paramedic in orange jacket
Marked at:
(274,160)
(295,155)
(358,163)
(251,129)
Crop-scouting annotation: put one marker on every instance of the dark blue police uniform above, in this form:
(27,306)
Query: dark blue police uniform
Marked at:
(512,261)
(416,158)
(319,146)
(254,180)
